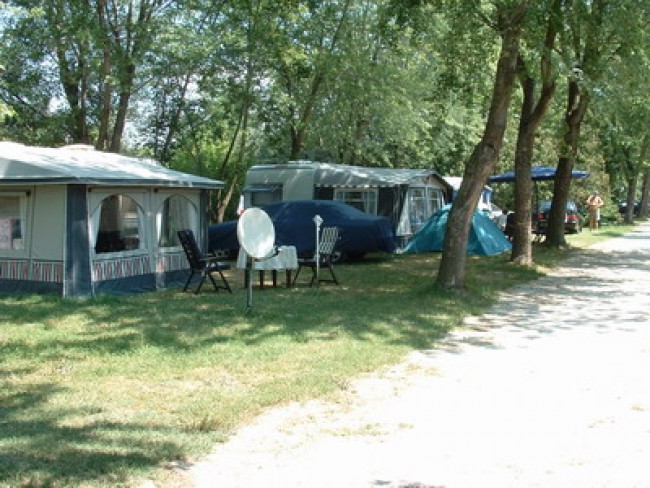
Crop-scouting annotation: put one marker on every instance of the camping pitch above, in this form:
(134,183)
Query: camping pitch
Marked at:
(485,238)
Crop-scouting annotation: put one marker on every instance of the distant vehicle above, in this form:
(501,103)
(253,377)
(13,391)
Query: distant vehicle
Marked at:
(360,233)
(622,208)
(571,218)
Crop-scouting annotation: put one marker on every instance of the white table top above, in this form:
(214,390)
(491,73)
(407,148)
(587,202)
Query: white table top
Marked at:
(287,258)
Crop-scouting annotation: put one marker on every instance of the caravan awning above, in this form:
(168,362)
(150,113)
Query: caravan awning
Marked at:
(26,165)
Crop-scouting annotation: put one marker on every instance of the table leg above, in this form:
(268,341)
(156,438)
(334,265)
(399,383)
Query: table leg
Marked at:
(261,279)
(288,278)
(274,274)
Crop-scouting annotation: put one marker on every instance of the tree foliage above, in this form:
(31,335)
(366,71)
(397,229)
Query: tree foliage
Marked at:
(596,33)
(213,86)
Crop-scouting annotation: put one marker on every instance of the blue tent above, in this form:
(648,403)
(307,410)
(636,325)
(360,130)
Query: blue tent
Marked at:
(485,238)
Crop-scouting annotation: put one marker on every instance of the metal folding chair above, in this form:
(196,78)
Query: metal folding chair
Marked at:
(322,259)
(200,264)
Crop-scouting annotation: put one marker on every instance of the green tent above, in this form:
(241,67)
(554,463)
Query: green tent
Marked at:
(485,238)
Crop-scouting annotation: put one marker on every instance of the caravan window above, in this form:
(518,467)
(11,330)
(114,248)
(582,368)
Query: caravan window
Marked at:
(418,207)
(12,221)
(264,194)
(423,203)
(176,213)
(119,225)
(364,200)
(436,199)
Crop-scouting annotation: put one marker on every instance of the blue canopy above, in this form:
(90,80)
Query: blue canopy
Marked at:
(538,173)
(485,238)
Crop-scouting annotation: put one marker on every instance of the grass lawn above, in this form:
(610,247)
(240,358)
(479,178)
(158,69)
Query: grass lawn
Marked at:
(106,392)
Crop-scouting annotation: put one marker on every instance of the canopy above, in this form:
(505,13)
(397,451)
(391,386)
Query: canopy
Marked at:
(538,173)
(485,238)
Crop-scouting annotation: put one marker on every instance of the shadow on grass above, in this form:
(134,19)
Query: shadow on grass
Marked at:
(390,301)
(47,452)
(372,295)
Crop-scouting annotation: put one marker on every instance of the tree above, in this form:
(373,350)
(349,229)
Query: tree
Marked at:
(596,33)
(81,57)
(508,22)
(26,87)
(532,113)
(127,33)
(306,56)
(386,106)
(645,194)
(624,126)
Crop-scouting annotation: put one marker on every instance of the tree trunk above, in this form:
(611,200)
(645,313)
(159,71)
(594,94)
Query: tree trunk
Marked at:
(106,92)
(643,156)
(165,151)
(628,218)
(522,242)
(577,102)
(72,58)
(484,157)
(74,87)
(122,110)
(76,100)
(588,43)
(531,117)
(222,203)
(296,142)
(645,191)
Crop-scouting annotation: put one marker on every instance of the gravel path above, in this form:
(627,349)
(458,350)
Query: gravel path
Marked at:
(551,388)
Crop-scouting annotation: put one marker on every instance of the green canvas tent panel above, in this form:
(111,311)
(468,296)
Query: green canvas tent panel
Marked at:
(485,238)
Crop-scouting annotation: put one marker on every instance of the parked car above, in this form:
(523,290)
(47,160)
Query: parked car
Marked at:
(622,208)
(571,218)
(360,233)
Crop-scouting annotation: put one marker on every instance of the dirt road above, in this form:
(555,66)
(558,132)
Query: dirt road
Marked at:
(551,388)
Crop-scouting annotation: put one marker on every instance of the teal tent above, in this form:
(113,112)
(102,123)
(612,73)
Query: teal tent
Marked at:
(485,238)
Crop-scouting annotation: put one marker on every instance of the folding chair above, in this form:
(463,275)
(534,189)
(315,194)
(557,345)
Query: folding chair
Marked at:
(200,264)
(327,245)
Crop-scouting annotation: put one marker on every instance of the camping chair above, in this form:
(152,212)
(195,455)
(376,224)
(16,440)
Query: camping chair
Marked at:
(328,240)
(200,264)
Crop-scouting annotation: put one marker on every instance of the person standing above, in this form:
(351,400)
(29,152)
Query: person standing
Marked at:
(594,202)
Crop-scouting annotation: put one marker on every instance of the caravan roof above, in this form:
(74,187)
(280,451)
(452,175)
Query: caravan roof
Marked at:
(20,165)
(341,175)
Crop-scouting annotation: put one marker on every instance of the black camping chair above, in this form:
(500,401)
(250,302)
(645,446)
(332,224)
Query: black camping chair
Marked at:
(200,264)
(327,245)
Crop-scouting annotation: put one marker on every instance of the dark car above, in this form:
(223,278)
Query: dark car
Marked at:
(622,208)
(360,233)
(571,218)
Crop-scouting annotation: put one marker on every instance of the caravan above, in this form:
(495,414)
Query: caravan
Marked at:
(406,196)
